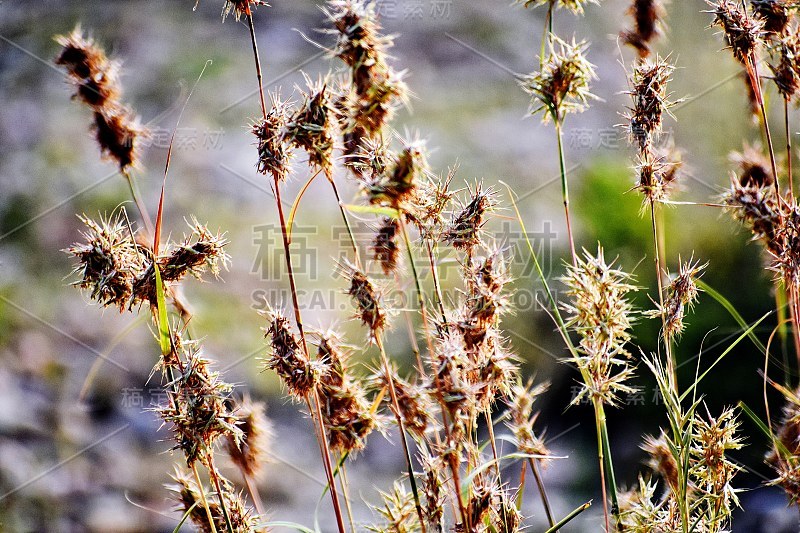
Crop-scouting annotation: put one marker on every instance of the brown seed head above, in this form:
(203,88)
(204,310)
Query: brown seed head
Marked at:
(249,453)
(313,127)
(743,33)
(786,74)
(463,232)
(774,14)
(385,249)
(366,298)
(197,407)
(647,25)
(299,374)
(650,101)
(108,261)
(273,153)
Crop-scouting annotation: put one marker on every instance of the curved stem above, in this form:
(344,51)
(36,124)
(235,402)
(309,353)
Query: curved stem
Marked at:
(788,148)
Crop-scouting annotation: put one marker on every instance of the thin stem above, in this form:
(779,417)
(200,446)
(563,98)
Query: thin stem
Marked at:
(420,298)
(326,458)
(437,287)
(565,188)
(794,310)
(345,484)
(140,205)
(788,147)
(659,278)
(289,269)
(255,495)
(258,63)
(601,460)
(752,71)
(214,475)
(542,492)
(203,498)
(401,428)
(346,220)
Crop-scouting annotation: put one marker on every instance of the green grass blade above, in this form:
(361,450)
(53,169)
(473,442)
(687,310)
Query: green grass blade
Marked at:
(163,324)
(747,333)
(564,521)
(731,309)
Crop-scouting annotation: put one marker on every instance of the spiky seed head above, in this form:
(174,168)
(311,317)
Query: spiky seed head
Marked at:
(785,457)
(661,459)
(650,101)
(198,409)
(240,8)
(274,153)
(682,293)
(433,196)
(118,131)
(398,512)
(563,84)
(249,454)
(366,297)
(288,359)
(786,73)
(648,18)
(463,231)
(108,261)
(522,417)
(601,313)
(201,251)
(385,249)
(93,74)
(774,14)
(313,127)
(754,167)
(392,179)
(742,32)
(415,406)
(378,88)
(191,501)
(712,470)
(657,173)
(346,412)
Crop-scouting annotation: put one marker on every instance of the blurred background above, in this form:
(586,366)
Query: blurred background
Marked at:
(79,451)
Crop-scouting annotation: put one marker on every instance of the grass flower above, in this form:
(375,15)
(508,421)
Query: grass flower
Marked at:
(601,313)
(650,101)
(563,84)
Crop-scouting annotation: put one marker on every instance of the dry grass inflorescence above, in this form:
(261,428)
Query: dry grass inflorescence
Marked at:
(466,376)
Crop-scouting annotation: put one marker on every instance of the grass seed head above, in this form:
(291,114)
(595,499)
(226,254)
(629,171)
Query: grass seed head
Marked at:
(786,73)
(463,231)
(109,261)
(774,14)
(576,6)
(346,412)
(385,249)
(742,32)
(198,407)
(249,453)
(274,153)
(366,298)
(649,94)
(647,25)
(563,84)
(299,374)
(313,127)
